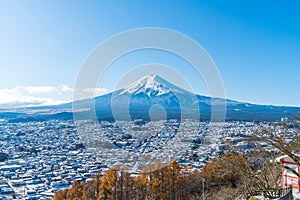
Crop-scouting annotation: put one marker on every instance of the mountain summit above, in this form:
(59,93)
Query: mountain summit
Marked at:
(152,85)
(140,96)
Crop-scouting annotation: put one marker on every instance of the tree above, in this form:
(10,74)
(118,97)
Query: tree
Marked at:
(107,188)
(75,192)
(226,171)
(140,185)
(266,180)
(280,142)
(91,188)
(172,176)
(61,195)
(160,181)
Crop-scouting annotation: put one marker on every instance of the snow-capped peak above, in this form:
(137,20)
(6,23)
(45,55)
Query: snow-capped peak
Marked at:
(152,85)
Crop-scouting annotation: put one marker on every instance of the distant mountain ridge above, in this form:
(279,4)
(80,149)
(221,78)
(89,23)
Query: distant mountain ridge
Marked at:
(136,100)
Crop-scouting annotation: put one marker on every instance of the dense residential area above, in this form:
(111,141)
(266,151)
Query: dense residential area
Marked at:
(41,159)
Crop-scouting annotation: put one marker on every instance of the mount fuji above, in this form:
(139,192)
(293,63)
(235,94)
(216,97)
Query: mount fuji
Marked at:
(153,97)
(150,94)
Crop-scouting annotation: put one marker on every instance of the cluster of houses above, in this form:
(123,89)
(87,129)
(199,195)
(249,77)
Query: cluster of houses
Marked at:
(44,157)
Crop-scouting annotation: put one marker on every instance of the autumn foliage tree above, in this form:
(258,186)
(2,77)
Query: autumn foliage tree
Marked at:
(160,181)
(108,186)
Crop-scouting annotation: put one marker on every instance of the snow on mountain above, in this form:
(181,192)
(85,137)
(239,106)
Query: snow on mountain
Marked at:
(140,96)
(151,85)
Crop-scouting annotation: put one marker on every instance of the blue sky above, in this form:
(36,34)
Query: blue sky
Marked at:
(255,45)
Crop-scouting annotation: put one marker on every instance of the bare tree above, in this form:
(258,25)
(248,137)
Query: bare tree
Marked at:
(282,143)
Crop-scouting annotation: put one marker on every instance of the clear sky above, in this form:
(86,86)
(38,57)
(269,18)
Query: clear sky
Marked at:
(255,44)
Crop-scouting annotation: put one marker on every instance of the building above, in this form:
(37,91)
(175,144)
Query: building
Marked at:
(289,179)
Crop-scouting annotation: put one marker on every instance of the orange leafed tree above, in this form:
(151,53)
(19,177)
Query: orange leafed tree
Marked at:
(107,188)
